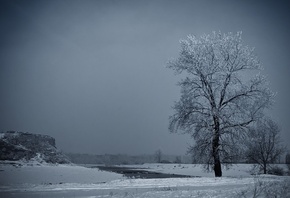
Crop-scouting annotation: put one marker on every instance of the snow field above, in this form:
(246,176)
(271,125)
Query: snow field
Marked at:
(43,180)
(53,174)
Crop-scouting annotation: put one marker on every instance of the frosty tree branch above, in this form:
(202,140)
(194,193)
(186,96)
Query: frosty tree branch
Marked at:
(219,96)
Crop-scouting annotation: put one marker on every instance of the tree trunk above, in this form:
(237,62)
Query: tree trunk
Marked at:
(265,168)
(217,168)
(217,163)
(215,147)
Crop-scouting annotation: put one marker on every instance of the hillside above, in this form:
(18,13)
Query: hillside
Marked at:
(16,146)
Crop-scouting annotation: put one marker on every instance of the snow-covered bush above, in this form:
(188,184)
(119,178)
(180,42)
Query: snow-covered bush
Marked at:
(267,190)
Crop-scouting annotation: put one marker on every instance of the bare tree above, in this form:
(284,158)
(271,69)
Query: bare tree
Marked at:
(158,156)
(177,160)
(220,96)
(264,145)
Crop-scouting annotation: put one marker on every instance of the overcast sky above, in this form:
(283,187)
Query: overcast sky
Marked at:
(93,74)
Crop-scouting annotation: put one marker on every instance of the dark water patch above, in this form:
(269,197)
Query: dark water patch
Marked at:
(137,173)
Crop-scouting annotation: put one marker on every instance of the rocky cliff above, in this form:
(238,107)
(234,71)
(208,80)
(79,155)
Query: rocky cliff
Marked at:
(27,146)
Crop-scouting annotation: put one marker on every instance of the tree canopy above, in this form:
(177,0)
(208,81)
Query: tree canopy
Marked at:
(220,95)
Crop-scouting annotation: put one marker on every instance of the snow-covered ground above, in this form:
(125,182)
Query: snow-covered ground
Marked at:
(43,180)
(37,173)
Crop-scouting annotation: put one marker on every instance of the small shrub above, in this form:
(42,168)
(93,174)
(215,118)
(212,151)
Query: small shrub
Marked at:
(264,189)
(278,189)
(288,166)
(276,171)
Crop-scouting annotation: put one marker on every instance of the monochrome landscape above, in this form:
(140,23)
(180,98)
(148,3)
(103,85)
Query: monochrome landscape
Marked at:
(109,98)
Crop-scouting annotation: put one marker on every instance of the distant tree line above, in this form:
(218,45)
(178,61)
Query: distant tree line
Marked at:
(119,159)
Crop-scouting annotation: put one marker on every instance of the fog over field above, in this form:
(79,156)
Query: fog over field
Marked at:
(92,74)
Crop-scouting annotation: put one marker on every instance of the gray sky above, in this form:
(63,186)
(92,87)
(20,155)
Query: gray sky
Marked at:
(92,73)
